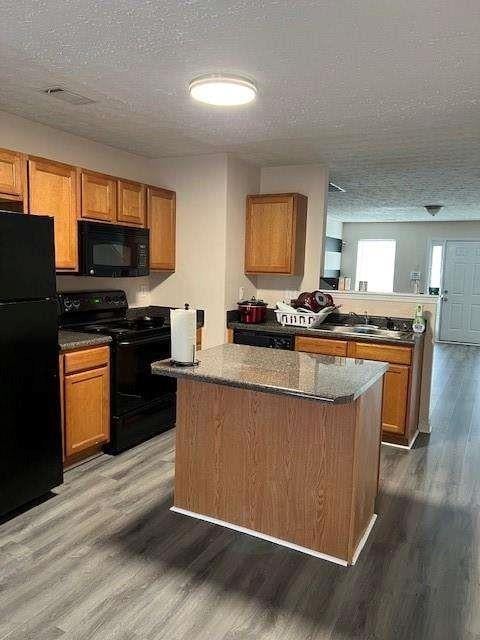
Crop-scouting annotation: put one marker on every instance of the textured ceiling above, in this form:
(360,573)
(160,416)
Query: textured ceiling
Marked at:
(384,91)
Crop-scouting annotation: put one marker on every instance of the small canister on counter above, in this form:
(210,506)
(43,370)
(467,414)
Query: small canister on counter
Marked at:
(252,311)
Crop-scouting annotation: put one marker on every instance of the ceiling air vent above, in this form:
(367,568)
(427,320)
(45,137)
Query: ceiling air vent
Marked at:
(67,96)
(334,188)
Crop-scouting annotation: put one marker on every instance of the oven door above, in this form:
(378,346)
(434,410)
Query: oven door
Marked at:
(111,250)
(134,387)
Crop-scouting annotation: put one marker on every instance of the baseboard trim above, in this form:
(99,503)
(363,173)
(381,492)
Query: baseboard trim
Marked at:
(283,543)
(402,446)
(364,538)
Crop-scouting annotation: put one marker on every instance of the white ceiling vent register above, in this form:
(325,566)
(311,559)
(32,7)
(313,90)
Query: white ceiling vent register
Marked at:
(67,96)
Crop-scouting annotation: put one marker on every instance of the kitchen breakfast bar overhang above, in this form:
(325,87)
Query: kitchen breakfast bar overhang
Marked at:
(280,445)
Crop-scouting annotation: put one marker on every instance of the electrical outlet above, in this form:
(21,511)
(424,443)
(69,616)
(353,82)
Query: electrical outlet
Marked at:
(144,294)
(241,293)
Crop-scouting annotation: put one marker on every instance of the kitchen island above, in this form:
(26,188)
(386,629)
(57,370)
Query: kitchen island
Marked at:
(281,445)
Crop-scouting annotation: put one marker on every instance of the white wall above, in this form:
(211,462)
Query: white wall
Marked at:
(334,228)
(413,241)
(242,179)
(312,181)
(201,186)
(36,139)
(211,192)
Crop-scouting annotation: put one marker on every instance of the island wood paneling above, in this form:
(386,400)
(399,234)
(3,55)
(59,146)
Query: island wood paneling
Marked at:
(367,451)
(278,465)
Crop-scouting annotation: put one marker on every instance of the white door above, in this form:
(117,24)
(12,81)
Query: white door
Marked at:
(460,314)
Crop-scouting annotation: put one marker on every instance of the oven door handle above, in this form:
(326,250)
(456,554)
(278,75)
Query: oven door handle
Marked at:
(142,341)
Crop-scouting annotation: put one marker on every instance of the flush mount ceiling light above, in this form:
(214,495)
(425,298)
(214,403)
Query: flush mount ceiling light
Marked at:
(223,91)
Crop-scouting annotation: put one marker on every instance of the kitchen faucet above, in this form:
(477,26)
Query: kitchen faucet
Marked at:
(366,318)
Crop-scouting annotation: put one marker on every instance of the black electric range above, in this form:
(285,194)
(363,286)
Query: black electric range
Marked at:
(142,405)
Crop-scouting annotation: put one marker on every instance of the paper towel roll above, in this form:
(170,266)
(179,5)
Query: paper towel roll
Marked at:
(183,324)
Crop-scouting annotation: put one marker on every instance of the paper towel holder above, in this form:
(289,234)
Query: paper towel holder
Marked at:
(193,363)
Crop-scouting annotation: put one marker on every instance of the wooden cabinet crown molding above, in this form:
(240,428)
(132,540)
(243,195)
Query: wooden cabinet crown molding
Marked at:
(161,220)
(275,233)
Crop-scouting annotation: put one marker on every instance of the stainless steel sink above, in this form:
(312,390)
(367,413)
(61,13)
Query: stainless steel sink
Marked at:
(364,329)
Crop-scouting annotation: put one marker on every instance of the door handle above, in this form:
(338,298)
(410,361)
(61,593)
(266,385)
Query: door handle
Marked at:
(443,298)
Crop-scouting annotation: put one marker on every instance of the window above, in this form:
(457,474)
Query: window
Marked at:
(436,259)
(376,264)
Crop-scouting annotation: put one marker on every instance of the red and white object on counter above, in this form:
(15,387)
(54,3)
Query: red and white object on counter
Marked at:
(314,301)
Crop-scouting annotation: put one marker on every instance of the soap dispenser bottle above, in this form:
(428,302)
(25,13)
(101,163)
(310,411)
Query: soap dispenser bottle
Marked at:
(418,320)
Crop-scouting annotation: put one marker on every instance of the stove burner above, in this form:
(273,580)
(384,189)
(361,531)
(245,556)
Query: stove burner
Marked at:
(148,321)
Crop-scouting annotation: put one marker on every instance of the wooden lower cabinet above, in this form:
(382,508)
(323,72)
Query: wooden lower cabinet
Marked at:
(395,399)
(401,384)
(85,397)
(321,346)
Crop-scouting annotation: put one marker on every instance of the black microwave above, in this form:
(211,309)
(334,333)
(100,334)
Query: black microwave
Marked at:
(113,250)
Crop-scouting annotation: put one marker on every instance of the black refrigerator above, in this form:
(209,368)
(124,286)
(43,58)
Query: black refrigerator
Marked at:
(30,431)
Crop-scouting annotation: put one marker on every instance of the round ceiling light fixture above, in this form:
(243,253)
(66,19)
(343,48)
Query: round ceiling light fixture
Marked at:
(223,91)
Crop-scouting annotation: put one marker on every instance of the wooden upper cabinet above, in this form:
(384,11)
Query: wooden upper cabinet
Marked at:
(12,173)
(275,234)
(161,222)
(54,191)
(99,197)
(131,203)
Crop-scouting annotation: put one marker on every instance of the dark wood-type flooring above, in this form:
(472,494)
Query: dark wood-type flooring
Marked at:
(104,558)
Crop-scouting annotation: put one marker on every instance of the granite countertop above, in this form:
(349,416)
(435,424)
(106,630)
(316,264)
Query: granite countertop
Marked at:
(68,340)
(322,378)
(272,326)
